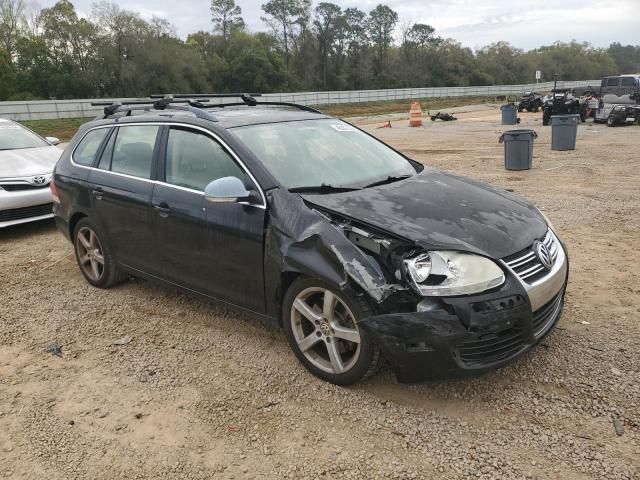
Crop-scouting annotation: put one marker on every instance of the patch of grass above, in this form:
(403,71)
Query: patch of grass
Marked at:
(63,128)
(396,106)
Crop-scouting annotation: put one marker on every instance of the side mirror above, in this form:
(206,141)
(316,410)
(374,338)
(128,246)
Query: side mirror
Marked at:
(227,190)
(52,140)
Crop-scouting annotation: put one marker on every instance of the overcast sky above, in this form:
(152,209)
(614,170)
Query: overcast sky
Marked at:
(475,23)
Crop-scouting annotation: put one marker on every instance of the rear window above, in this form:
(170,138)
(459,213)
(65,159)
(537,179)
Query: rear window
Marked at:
(85,152)
(133,150)
(613,82)
(628,82)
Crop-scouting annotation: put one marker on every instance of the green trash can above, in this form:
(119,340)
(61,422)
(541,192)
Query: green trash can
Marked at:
(509,114)
(518,148)
(564,130)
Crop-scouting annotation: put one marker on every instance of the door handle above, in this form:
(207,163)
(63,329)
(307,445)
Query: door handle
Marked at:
(162,209)
(97,193)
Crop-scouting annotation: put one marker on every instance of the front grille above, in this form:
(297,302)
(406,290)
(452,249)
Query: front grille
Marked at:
(544,317)
(491,348)
(526,263)
(16,187)
(25,212)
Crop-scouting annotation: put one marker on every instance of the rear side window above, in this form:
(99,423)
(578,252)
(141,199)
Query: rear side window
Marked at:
(194,160)
(85,152)
(613,82)
(628,82)
(133,150)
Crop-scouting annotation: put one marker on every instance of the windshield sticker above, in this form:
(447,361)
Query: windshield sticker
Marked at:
(341,127)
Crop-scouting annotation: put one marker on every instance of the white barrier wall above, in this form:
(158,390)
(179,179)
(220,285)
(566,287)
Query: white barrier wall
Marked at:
(51,109)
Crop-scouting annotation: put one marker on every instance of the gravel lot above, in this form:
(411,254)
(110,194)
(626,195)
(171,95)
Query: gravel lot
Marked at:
(197,392)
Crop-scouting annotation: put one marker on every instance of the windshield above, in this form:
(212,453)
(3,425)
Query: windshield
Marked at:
(324,152)
(14,136)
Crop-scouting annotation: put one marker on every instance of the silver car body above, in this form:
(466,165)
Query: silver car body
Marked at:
(25,175)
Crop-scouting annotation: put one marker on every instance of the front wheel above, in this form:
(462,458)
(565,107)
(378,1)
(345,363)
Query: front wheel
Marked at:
(321,324)
(611,122)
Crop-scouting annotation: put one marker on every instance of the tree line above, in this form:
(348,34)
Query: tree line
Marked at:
(55,53)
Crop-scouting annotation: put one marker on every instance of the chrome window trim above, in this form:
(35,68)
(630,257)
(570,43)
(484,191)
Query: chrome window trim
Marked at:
(224,145)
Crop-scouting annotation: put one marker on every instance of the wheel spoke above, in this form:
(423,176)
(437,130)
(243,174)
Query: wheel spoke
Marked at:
(84,259)
(334,356)
(99,258)
(83,240)
(95,269)
(329,305)
(92,239)
(308,342)
(304,308)
(348,334)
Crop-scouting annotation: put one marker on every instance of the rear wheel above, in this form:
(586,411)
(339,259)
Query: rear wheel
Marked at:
(94,256)
(322,328)
(611,122)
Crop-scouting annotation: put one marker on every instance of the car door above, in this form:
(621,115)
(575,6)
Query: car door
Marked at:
(121,188)
(212,248)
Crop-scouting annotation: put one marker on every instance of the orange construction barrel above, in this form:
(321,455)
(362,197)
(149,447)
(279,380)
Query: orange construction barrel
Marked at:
(415,115)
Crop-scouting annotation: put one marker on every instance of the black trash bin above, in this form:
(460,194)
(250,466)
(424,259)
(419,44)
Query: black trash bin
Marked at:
(518,148)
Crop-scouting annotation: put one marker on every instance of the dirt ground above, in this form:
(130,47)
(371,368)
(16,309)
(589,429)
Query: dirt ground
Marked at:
(197,392)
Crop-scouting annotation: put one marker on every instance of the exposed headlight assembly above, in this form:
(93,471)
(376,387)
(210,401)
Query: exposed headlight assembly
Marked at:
(444,273)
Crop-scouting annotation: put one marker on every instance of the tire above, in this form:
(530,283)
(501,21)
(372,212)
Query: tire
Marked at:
(545,119)
(358,360)
(94,256)
(611,122)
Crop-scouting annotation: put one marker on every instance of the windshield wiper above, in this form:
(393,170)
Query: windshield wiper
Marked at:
(389,179)
(324,188)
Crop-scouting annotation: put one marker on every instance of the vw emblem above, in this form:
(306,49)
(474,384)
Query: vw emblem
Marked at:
(39,180)
(543,255)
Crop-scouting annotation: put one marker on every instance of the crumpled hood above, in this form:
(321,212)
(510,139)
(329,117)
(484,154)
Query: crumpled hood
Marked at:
(438,210)
(25,162)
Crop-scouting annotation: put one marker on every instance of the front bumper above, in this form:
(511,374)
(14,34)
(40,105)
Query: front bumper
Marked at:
(25,206)
(471,335)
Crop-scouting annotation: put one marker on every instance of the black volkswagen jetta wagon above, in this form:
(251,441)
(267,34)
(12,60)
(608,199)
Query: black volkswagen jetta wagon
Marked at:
(358,252)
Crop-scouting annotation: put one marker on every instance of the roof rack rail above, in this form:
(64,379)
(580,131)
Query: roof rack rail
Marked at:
(194,106)
(248,99)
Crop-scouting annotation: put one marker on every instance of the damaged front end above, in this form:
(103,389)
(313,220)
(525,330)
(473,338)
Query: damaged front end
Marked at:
(424,334)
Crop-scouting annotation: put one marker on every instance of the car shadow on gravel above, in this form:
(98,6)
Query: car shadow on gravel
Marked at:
(27,230)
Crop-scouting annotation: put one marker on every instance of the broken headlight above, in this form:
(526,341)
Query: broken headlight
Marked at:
(443,273)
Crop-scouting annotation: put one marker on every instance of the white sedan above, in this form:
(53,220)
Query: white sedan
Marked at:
(26,165)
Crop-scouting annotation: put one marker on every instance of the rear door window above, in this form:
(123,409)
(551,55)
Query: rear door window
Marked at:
(133,150)
(628,82)
(194,159)
(613,82)
(85,152)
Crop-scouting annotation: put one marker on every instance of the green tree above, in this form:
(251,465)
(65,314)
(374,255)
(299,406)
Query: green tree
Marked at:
(226,17)
(7,76)
(326,24)
(382,22)
(12,20)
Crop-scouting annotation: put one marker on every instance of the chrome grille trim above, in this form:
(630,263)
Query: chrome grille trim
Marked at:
(527,266)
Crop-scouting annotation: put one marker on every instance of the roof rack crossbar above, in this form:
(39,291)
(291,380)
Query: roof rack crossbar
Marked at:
(275,104)
(247,99)
(205,95)
(195,107)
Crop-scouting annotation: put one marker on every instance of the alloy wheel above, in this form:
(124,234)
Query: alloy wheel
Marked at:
(325,330)
(90,254)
